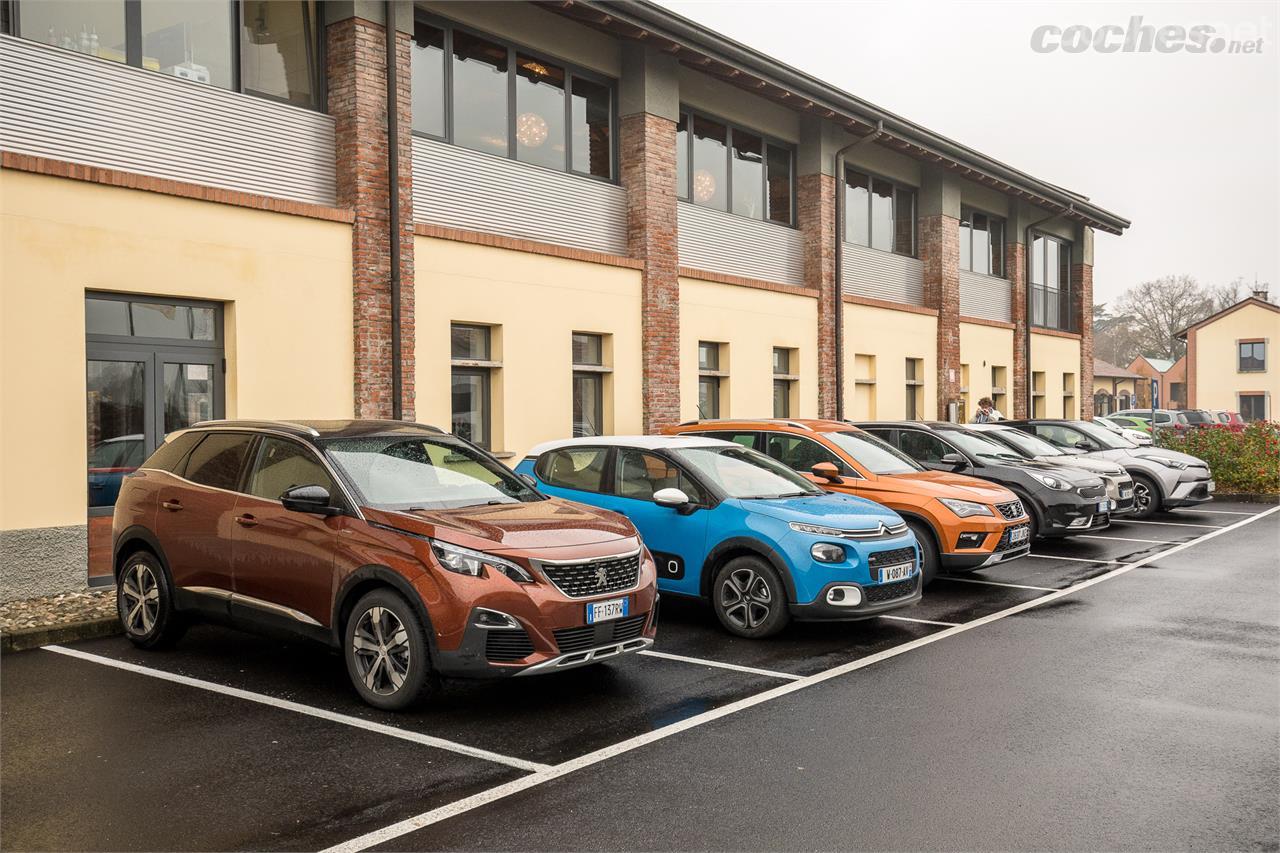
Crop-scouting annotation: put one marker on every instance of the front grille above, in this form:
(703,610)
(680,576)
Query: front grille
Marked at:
(1006,541)
(507,644)
(1090,492)
(895,557)
(889,591)
(597,577)
(600,634)
(1011,510)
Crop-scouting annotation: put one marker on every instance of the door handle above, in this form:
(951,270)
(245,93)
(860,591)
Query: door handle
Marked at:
(172,506)
(246,520)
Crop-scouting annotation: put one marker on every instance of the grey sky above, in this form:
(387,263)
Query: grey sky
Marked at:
(1186,146)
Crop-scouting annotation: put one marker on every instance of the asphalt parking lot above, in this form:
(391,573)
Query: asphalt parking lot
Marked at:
(1113,691)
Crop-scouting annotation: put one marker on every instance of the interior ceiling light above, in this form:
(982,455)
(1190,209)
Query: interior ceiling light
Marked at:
(536,67)
(704,185)
(531,130)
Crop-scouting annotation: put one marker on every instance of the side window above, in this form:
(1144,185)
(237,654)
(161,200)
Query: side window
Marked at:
(641,474)
(888,436)
(1058,435)
(283,464)
(746,439)
(217,460)
(799,454)
(580,468)
(922,446)
(170,455)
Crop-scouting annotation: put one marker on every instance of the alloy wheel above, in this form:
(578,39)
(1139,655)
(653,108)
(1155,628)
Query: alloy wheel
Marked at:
(745,598)
(381,646)
(1141,497)
(140,595)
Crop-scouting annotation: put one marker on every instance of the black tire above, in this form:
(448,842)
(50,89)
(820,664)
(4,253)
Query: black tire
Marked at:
(749,598)
(145,603)
(389,671)
(1146,496)
(930,563)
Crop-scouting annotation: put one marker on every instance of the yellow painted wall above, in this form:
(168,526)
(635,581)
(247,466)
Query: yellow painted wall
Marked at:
(1055,356)
(752,322)
(1218,379)
(892,337)
(981,348)
(537,302)
(285,281)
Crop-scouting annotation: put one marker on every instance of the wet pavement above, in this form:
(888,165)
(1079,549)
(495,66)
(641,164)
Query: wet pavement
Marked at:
(1141,711)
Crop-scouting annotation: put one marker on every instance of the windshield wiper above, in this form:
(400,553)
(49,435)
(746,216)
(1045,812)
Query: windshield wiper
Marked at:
(783,495)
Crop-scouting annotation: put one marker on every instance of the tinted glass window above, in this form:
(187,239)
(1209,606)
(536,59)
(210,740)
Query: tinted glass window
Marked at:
(746,439)
(170,455)
(278,50)
(93,28)
(640,475)
(743,473)
(857,208)
(1253,356)
(779,179)
(190,39)
(580,468)
(748,174)
(284,464)
(682,156)
(710,139)
(540,112)
(590,117)
(428,79)
(480,94)
(799,454)
(923,446)
(217,460)
(874,454)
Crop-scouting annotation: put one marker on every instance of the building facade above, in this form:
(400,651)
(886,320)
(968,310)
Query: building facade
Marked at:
(1229,362)
(1114,388)
(523,221)
(1171,382)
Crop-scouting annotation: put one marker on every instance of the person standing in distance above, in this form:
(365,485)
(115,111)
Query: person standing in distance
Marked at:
(987,412)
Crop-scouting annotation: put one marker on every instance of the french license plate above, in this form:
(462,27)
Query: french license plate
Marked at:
(1018,535)
(896,573)
(1126,493)
(603,611)
(1212,486)
(1104,506)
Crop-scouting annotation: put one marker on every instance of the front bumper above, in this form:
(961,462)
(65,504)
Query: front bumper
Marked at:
(1075,515)
(1004,551)
(1190,493)
(822,610)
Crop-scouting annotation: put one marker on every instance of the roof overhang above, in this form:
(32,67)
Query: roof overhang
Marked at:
(712,53)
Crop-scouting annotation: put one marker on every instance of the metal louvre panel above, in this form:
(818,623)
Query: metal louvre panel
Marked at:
(461,188)
(720,242)
(63,105)
(985,296)
(882,275)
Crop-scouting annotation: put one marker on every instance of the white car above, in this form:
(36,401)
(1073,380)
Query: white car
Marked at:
(1141,439)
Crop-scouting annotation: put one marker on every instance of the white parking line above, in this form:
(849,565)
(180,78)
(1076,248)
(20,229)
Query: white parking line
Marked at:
(466,804)
(1075,559)
(1123,539)
(1224,512)
(1000,583)
(721,665)
(285,704)
(921,621)
(1166,523)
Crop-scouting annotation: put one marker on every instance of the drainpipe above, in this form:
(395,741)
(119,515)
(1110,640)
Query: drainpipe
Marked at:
(839,276)
(393,201)
(1027,308)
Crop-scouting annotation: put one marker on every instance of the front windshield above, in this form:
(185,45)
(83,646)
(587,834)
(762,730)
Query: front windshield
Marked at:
(984,448)
(1027,443)
(743,473)
(1198,416)
(1102,435)
(425,472)
(874,454)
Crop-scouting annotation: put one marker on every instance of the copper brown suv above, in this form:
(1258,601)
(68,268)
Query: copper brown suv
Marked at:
(414,552)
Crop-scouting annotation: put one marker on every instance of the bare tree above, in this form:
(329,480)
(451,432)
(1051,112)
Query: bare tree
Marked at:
(1159,309)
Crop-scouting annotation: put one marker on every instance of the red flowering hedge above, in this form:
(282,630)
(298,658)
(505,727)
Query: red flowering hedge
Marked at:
(1241,462)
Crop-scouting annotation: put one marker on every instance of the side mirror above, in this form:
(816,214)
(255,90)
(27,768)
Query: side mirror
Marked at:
(827,471)
(955,460)
(528,480)
(672,498)
(1084,445)
(312,499)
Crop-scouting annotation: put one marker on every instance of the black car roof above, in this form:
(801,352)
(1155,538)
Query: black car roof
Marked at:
(901,424)
(312,430)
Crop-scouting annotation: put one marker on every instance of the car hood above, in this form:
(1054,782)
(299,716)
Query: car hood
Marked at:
(943,484)
(841,511)
(552,523)
(1154,452)
(1066,470)
(1096,466)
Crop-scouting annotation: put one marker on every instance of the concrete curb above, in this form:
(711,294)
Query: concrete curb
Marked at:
(34,638)
(1247,498)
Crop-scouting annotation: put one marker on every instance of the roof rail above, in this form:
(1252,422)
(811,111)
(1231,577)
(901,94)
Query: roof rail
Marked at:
(257,424)
(699,421)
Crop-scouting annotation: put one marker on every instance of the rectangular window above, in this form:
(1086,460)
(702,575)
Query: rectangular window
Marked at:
(1068,395)
(93,27)
(709,379)
(981,242)
(682,156)
(279,51)
(708,355)
(879,213)
(914,389)
(590,122)
(1253,407)
(588,384)
(710,164)
(1252,356)
(1037,394)
(784,381)
(731,168)
(427,68)
(778,172)
(540,113)
(470,343)
(480,106)
(999,374)
(190,39)
(1051,283)
(864,386)
(748,174)
(471,383)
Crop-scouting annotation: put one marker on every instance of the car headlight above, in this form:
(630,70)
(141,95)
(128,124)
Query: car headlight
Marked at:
(826,552)
(965,509)
(815,529)
(464,561)
(1049,481)
(1170,463)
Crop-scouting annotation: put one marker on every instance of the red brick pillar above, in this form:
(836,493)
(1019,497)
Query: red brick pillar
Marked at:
(1016,265)
(940,252)
(357,97)
(816,214)
(1082,305)
(648,171)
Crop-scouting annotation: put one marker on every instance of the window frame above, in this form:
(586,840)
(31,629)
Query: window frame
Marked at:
(896,185)
(1251,342)
(1065,288)
(571,71)
(966,212)
(1264,396)
(595,371)
(685,194)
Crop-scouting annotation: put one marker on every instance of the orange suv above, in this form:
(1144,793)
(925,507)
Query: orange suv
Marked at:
(963,523)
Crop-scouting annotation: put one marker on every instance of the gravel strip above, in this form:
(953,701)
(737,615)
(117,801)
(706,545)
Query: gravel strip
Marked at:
(55,610)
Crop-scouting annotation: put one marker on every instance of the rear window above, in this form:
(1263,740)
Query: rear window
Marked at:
(171,455)
(580,468)
(1197,416)
(217,460)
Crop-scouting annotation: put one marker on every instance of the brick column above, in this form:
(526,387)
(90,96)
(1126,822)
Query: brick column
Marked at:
(357,97)
(1082,305)
(816,216)
(940,252)
(1016,266)
(648,172)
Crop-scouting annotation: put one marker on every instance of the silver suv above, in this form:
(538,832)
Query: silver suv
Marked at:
(1162,479)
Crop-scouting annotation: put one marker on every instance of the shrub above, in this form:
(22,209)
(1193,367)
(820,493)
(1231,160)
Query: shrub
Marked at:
(1241,462)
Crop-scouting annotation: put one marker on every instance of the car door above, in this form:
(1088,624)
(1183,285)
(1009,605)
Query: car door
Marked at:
(928,449)
(194,522)
(282,558)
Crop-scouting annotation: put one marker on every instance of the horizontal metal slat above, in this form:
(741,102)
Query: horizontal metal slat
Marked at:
(721,242)
(882,275)
(985,296)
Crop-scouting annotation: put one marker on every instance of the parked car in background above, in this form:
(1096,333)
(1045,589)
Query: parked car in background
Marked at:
(731,525)
(1172,418)
(413,552)
(109,462)
(1060,501)
(1231,420)
(1119,483)
(1162,479)
(1133,436)
(962,523)
(1133,422)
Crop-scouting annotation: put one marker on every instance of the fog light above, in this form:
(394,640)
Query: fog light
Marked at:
(844,596)
(1083,521)
(971,540)
(486,618)
(825,552)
